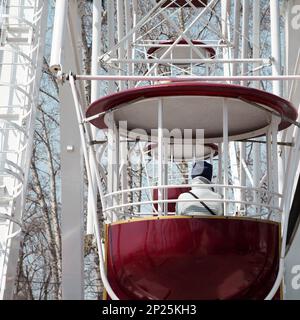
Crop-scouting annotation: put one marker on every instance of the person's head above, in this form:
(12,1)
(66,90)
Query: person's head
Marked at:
(202,169)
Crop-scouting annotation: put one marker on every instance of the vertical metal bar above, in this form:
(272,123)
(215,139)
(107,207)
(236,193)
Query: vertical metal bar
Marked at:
(58,35)
(116,166)
(128,26)
(123,160)
(275,43)
(160,159)
(227,72)
(95,94)
(111,38)
(110,154)
(121,51)
(96,48)
(165,177)
(113,158)
(235,174)
(245,36)
(225,8)
(84,136)
(242,146)
(256,170)
(269,159)
(256,34)
(236,34)
(225,154)
(72,201)
(71,174)
(275,123)
(276,69)
(256,54)
(220,170)
(245,47)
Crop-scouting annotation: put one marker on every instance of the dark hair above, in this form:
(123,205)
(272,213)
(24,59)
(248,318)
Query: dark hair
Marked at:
(202,169)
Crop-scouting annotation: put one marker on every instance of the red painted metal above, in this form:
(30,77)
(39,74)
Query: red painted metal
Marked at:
(284,107)
(180,3)
(211,51)
(173,193)
(193,258)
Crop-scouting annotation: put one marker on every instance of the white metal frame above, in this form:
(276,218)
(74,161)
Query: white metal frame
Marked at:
(22,42)
(123,55)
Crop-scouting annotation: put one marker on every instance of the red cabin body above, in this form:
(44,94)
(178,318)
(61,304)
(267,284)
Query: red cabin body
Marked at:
(204,258)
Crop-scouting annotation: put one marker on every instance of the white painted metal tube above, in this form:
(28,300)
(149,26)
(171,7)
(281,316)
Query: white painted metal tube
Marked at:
(220,171)
(225,152)
(188,78)
(187,61)
(245,35)
(256,54)
(274,125)
(128,27)
(111,39)
(160,163)
(236,35)
(96,47)
(221,201)
(275,43)
(121,32)
(95,94)
(212,185)
(225,10)
(58,36)
(88,170)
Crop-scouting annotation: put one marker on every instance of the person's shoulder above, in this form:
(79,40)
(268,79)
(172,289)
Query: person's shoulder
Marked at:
(217,195)
(183,195)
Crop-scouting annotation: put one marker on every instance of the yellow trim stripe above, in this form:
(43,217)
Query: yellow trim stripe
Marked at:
(132,220)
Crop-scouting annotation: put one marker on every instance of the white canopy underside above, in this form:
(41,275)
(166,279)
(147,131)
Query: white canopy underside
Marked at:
(245,120)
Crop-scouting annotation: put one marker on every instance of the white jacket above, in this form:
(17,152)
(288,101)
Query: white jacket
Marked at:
(202,192)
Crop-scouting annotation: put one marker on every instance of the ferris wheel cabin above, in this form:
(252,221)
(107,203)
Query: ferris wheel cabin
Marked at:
(154,252)
(177,84)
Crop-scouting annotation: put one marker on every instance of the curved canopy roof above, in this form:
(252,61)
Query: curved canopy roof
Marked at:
(195,105)
(182,50)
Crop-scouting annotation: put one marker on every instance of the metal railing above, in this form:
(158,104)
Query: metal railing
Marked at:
(261,209)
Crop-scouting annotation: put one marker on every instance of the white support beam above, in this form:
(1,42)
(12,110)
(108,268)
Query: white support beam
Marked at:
(225,154)
(58,34)
(276,44)
(71,174)
(289,77)
(245,37)
(236,34)
(256,54)
(14,73)
(95,94)
(121,33)
(160,158)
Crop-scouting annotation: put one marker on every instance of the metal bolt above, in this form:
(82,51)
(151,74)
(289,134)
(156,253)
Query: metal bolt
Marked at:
(70,148)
